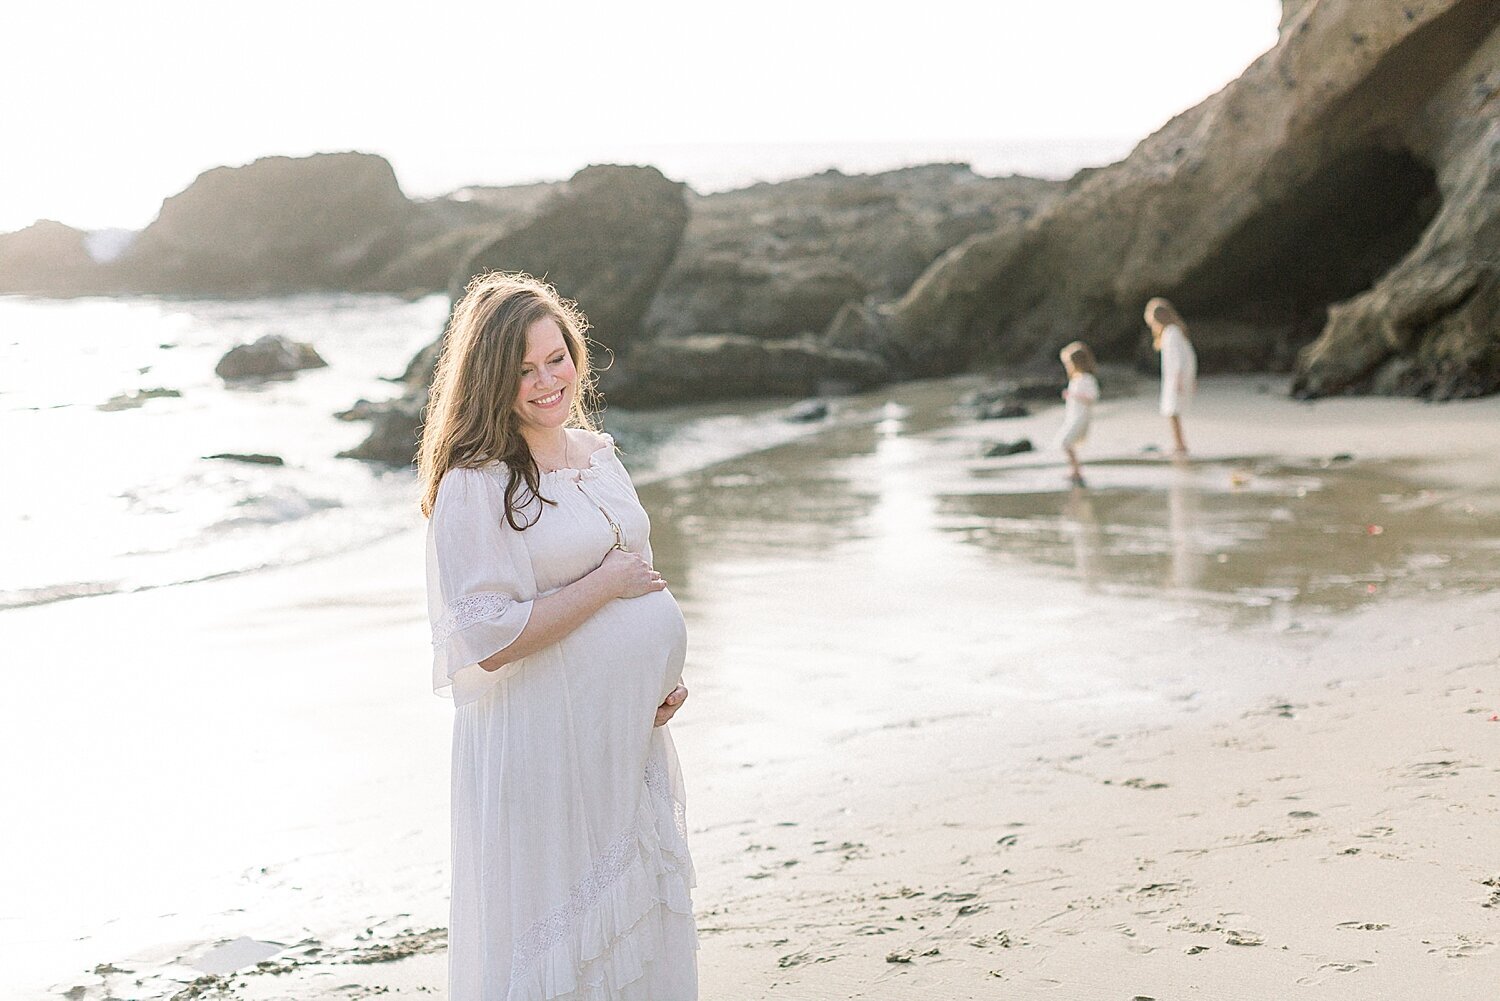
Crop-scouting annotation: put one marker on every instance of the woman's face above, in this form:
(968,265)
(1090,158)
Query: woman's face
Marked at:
(545,398)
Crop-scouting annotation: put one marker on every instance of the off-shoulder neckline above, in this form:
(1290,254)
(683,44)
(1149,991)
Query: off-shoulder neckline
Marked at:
(595,458)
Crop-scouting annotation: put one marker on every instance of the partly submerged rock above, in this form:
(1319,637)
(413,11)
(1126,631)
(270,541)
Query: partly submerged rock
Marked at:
(807,411)
(1002,448)
(254,458)
(394,427)
(268,356)
(130,401)
(1004,410)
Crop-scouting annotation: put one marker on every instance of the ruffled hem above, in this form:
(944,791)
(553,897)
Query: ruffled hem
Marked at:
(606,952)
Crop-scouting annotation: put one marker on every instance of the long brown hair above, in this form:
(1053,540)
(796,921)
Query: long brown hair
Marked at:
(470,418)
(1165,315)
(1080,357)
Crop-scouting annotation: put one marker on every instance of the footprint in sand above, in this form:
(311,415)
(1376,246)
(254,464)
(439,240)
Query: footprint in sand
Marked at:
(1464,947)
(1139,783)
(1363,925)
(994,940)
(1442,769)
(1158,889)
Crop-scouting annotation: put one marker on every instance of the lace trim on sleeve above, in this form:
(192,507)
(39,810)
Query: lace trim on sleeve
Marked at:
(466,611)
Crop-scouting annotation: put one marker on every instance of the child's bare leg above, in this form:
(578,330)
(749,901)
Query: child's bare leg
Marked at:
(1180,444)
(1073,464)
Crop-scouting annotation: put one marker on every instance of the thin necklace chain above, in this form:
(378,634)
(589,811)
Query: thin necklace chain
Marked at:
(567,451)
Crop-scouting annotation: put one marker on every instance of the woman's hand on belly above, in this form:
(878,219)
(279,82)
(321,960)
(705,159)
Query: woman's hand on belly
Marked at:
(671,704)
(628,575)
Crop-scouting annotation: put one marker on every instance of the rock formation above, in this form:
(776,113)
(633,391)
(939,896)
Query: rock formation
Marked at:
(448,230)
(605,238)
(46,258)
(280,224)
(778,260)
(1334,209)
(269,356)
(735,366)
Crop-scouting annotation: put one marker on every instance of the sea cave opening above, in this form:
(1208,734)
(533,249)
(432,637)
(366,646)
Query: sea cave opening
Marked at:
(1266,292)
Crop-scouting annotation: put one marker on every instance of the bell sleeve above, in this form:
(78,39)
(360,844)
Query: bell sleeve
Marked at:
(480,584)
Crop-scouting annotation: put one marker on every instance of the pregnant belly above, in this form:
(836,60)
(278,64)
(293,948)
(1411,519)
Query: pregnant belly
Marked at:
(633,647)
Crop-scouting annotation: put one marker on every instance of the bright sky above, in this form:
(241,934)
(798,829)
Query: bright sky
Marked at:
(107,107)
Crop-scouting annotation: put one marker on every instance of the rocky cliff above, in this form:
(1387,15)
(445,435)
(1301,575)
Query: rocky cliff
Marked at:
(280,224)
(47,258)
(1332,211)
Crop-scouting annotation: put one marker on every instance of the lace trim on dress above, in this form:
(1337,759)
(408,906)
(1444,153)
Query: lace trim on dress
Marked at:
(466,611)
(552,929)
(657,784)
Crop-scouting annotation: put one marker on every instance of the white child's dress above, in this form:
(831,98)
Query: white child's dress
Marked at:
(1179,371)
(571,873)
(1078,409)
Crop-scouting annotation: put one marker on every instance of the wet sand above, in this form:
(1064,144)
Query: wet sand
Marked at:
(1217,729)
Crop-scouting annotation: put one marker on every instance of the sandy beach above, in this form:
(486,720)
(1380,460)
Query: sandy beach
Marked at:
(1224,729)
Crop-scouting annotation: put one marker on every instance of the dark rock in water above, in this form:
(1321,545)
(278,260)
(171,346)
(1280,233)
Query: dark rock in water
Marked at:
(280,224)
(418,374)
(807,411)
(1004,410)
(732,366)
(1048,388)
(129,401)
(1008,448)
(1332,209)
(47,258)
(256,458)
(363,410)
(268,356)
(393,433)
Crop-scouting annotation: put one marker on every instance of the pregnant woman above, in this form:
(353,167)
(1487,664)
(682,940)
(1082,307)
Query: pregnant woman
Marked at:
(561,647)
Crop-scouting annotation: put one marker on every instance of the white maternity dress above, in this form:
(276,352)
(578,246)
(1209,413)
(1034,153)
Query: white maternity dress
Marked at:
(1179,371)
(571,873)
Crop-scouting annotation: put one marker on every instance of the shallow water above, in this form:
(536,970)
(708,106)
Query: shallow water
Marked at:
(1259,538)
(1246,534)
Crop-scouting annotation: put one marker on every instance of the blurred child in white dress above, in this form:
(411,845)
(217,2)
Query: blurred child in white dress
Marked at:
(1078,403)
(1179,365)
